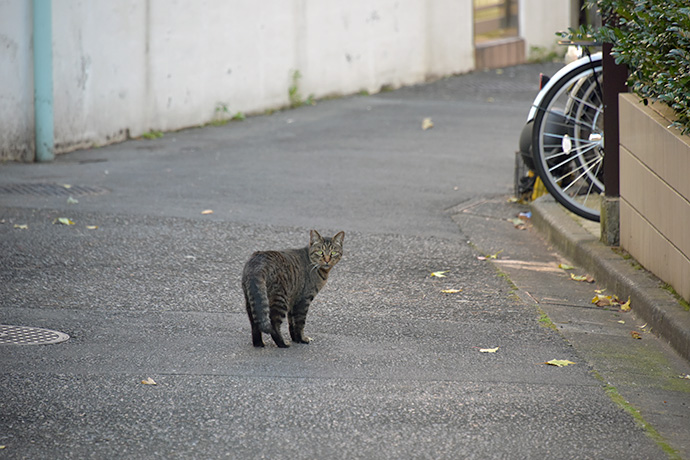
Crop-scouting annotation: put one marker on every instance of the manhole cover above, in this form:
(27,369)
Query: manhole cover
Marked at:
(50,189)
(23,335)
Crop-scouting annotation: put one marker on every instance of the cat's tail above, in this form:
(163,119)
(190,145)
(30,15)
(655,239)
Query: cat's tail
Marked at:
(258,301)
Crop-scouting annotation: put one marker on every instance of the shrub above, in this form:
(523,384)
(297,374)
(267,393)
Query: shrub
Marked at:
(652,38)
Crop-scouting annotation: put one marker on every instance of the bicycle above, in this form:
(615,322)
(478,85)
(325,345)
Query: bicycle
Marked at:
(563,139)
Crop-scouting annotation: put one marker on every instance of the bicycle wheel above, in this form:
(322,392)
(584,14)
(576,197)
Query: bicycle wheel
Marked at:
(568,141)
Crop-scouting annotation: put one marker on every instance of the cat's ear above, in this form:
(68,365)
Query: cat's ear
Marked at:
(314,237)
(338,238)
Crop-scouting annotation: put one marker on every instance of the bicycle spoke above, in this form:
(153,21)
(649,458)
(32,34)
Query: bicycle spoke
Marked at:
(578,177)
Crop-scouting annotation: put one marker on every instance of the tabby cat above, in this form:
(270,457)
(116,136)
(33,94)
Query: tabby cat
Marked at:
(280,283)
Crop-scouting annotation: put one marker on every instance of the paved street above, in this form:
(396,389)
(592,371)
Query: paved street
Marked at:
(395,369)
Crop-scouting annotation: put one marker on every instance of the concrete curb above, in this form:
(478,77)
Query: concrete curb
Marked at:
(649,301)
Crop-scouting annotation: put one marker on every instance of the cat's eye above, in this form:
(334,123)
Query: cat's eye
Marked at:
(334,253)
(319,253)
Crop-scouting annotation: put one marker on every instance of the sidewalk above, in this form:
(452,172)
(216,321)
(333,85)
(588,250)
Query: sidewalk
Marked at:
(576,239)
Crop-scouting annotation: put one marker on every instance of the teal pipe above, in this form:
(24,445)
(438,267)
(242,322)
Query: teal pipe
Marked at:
(43,80)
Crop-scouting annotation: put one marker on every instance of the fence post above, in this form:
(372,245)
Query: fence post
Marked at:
(614,77)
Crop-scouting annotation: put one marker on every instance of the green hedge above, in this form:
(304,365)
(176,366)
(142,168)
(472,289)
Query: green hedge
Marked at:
(652,37)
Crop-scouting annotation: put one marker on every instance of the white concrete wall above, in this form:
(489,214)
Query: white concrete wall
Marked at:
(16,89)
(540,20)
(122,68)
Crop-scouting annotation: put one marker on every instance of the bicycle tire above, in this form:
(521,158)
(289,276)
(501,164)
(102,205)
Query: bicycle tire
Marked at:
(567,141)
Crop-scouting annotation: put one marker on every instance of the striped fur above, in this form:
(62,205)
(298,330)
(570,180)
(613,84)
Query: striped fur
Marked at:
(277,284)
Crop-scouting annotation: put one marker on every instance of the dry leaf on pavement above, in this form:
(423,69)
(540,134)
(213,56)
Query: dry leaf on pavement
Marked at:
(491,256)
(149,381)
(585,278)
(604,300)
(427,124)
(440,274)
(488,350)
(63,221)
(559,362)
(451,291)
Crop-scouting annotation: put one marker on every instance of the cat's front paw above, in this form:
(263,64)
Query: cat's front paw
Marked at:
(304,339)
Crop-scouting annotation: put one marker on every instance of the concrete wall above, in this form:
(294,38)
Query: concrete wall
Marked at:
(16,89)
(541,19)
(655,192)
(122,68)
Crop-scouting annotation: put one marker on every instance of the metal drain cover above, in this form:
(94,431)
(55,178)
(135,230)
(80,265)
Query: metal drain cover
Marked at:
(23,335)
(42,189)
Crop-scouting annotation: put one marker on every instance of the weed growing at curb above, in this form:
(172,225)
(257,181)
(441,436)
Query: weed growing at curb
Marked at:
(222,113)
(683,303)
(294,94)
(153,134)
(545,321)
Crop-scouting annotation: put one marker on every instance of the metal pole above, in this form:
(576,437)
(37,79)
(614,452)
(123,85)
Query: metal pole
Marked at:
(43,80)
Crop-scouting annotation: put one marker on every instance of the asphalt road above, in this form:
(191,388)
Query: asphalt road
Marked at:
(395,368)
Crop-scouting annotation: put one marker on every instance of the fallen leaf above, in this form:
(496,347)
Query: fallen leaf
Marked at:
(207,211)
(63,221)
(92,227)
(584,278)
(559,362)
(635,335)
(513,199)
(71,200)
(427,124)
(67,186)
(600,291)
(686,376)
(149,381)
(621,321)
(451,291)
(488,350)
(494,256)
(565,267)
(603,300)
(626,306)
(21,226)
(440,274)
